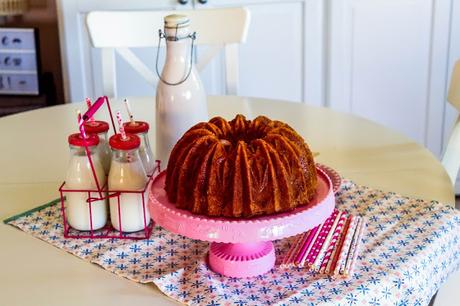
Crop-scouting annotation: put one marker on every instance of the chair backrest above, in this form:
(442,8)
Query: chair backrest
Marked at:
(451,158)
(117,31)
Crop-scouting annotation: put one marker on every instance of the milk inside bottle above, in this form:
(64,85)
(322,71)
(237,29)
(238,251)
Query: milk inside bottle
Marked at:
(127,174)
(141,128)
(180,97)
(80,177)
(100,128)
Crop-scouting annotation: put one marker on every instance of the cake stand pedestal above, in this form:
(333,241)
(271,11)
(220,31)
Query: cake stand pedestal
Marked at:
(241,247)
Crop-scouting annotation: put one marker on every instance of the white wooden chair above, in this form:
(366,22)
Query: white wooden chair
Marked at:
(448,294)
(451,158)
(118,31)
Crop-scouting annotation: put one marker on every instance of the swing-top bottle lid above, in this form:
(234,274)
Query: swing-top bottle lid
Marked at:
(96,127)
(129,143)
(176,21)
(77,140)
(136,127)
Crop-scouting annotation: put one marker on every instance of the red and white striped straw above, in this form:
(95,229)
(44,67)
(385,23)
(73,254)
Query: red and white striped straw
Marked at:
(128,109)
(88,103)
(336,230)
(120,125)
(346,245)
(355,255)
(353,246)
(80,123)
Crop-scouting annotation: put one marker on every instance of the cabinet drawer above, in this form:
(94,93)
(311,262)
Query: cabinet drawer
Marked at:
(23,39)
(18,61)
(18,83)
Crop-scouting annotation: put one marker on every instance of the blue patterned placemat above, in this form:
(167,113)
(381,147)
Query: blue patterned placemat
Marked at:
(409,249)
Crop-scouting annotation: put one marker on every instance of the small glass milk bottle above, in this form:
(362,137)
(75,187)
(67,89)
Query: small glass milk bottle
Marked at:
(127,174)
(180,97)
(100,128)
(80,177)
(141,128)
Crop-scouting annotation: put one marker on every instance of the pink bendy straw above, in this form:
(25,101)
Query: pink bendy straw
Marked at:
(120,125)
(80,122)
(88,103)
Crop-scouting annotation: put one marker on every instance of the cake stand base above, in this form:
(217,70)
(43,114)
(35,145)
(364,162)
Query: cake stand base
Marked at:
(242,259)
(241,247)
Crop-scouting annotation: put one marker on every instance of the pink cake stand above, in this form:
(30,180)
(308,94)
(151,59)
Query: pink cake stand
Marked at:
(241,247)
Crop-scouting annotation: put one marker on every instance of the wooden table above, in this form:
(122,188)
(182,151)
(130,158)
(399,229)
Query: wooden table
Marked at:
(34,155)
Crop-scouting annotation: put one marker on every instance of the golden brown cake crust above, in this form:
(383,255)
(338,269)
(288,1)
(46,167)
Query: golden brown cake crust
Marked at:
(240,168)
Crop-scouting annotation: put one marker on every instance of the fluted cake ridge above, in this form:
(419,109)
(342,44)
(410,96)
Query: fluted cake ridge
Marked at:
(240,168)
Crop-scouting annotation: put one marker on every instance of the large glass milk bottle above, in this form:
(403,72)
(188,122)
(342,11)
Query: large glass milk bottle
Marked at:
(180,97)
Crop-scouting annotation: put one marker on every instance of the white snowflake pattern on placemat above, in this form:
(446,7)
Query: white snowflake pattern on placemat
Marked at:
(409,248)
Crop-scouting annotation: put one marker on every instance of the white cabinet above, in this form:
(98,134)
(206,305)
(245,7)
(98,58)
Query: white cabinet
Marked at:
(279,56)
(388,62)
(271,60)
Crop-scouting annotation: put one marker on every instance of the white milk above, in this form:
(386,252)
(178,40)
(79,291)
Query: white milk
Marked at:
(104,152)
(80,176)
(128,176)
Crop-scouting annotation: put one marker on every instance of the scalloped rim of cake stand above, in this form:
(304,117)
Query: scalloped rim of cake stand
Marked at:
(333,175)
(264,228)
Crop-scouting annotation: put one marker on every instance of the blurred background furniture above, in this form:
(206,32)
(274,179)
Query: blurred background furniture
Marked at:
(451,158)
(42,16)
(13,7)
(135,29)
(449,293)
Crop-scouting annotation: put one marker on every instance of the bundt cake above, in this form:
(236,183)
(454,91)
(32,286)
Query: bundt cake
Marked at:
(240,168)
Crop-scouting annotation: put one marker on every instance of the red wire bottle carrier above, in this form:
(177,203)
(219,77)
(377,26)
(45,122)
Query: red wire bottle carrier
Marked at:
(103,193)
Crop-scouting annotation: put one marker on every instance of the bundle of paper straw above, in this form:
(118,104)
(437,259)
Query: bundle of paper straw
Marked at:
(330,248)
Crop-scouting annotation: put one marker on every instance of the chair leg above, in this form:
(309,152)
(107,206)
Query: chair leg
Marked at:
(432,299)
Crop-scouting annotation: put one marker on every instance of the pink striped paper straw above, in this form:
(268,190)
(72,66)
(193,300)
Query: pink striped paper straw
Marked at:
(319,242)
(310,246)
(297,243)
(321,239)
(306,246)
(346,251)
(120,125)
(327,242)
(333,259)
(88,104)
(335,254)
(291,250)
(80,122)
(337,229)
(346,245)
